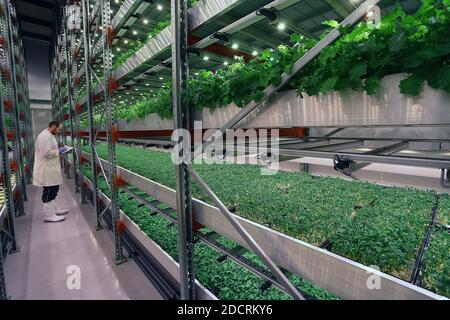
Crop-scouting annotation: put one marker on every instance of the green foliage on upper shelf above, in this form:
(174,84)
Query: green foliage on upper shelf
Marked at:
(370,224)
(132,48)
(417,45)
(227,280)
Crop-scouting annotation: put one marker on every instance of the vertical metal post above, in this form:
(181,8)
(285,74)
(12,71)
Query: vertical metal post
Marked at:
(59,105)
(107,34)
(70,97)
(90,109)
(76,120)
(180,74)
(3,292)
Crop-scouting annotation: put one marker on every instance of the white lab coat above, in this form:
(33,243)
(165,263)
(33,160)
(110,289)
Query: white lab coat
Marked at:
(47,167)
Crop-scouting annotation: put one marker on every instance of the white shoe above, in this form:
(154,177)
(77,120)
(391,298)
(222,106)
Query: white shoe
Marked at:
(50,216)
(58,212)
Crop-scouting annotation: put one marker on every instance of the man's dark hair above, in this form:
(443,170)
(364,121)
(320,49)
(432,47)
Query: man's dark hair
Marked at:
(54,123)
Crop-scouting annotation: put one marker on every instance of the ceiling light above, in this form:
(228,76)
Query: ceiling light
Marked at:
(255,53)
(135,32)
(281,26)
(145,21)
(159,7)
(226,63)
(125,41)
(206,58)
(161,78)
(116,1)
(118,49)
(148,85)
(235,46)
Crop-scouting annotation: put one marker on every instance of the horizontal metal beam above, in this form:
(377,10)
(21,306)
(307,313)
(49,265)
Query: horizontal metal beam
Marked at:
(339,146)
(384,151)
(325,269)
(390,149)
(381,139)
(396,160)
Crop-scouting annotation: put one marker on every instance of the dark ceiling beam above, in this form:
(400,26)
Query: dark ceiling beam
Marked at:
(40,3)
(40,22)
(36,36)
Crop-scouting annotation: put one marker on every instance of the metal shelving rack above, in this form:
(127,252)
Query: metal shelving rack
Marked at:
(169,51)
(13,99)
(14,104)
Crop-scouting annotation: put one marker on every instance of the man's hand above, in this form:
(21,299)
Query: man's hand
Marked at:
(62,150)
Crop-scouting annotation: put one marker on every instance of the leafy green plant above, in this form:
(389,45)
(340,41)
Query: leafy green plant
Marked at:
(436,269)
(413,44)
(367,223)
(226,280)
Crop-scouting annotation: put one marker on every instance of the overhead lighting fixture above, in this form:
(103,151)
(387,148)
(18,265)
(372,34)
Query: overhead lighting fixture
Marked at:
(160,7)
(147,84)
(135,32)
(206,58)
(235,46)
(125,41)
(118,49)
(196,73)
(226,63)
(281,26)
(255,53)
(117,1)
(145,21)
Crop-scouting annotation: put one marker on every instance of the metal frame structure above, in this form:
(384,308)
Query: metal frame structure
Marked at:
(183,121)
(7,213)
(14,103)
(14,84)
(95,20)
(220,219)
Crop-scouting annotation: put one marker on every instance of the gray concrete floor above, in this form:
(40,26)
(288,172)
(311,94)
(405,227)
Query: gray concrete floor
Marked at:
(42,268)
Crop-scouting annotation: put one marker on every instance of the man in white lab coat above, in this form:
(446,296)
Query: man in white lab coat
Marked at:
(47,170)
